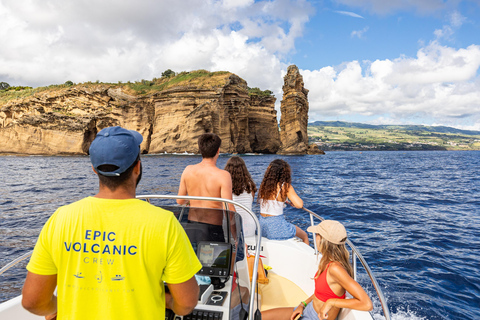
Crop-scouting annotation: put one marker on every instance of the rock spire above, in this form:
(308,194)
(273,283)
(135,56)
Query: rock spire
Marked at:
(294,110)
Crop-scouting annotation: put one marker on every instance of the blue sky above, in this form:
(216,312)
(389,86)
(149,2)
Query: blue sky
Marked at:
(337,33)
(371,61)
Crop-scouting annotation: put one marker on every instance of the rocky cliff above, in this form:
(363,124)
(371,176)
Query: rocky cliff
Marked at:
(245,124)
(294,111)
(170,116)
(262,119)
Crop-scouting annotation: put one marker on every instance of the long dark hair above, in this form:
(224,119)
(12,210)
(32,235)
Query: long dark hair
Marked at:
(278,173)
(241,179)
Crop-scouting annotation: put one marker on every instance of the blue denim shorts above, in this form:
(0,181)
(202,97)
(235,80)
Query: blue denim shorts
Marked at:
(309,313)
(276,228)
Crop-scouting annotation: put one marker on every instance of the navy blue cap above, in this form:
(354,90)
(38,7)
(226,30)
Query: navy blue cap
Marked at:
(115,146)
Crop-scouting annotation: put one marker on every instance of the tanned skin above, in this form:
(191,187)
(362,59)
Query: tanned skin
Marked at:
(204,179)
(339,281)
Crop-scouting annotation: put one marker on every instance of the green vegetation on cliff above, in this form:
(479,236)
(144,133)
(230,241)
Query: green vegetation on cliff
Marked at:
(258,92)
(198,78)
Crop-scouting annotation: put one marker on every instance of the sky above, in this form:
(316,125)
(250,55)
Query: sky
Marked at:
(368,61)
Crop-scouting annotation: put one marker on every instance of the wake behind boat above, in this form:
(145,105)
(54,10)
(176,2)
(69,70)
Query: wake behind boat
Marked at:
(227,290)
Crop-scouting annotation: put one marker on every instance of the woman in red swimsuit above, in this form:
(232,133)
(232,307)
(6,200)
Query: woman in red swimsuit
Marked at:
(332,280)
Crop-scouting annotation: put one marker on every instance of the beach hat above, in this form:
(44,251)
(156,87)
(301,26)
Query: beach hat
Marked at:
(115,146)
(331,230)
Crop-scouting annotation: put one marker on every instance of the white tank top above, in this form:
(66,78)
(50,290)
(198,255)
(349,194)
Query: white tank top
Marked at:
(272,207)
(247,221)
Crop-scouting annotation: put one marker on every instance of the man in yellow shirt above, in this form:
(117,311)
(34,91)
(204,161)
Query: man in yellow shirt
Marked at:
(109,255)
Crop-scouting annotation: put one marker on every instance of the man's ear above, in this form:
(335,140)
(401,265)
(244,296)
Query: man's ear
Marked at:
(94,170)
(136,169)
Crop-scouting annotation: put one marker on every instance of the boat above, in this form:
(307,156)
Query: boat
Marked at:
(227,288)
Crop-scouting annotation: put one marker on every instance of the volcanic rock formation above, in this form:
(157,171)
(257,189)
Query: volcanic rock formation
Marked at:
(294,114)
(66,120)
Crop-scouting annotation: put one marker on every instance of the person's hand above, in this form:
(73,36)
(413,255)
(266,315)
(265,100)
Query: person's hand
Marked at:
(323,314)
(297,312)
(52,316)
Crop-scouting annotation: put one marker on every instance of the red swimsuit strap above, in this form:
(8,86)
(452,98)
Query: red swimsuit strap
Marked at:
(322,290)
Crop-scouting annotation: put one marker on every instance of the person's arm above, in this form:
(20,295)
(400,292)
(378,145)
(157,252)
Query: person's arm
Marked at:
(296,201)
(226,189)
(37,294)
(301,307)
(183,297)
(182,189)
(360,300)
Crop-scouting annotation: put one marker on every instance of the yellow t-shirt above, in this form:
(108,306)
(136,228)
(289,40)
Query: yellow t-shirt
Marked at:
(111,258)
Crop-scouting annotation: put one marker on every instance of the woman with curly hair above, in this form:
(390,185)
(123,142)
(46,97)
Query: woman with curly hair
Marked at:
(332,280)
(275,190)
(243,191)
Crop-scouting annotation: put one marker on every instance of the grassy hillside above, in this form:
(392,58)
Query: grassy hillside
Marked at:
(198,78)
(337,135)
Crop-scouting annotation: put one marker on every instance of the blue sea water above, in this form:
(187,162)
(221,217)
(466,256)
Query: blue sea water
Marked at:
(415,216)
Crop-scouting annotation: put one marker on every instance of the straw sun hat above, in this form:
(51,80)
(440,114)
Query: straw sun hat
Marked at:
(331,230)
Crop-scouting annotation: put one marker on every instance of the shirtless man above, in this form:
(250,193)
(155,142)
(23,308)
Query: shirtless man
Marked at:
(206,180)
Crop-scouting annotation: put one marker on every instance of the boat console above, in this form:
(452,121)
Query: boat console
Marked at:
(215,258)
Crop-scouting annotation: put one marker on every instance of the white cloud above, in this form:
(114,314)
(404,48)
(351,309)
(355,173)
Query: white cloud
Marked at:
(359,33)
(440,84)
(50,42)
(390,6)
(231,4)
(456,20)
(350,14)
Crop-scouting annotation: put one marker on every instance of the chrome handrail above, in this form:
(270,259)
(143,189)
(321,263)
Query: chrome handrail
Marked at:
(251,311)
(357,254)
(16,261)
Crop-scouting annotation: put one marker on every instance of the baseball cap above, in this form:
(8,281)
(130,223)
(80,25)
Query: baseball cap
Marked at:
(331,230)
(115,146)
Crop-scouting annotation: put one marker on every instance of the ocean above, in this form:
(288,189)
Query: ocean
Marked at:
(415,216)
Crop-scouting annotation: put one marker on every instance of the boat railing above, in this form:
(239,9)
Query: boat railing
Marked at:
(15,262)
(357,255)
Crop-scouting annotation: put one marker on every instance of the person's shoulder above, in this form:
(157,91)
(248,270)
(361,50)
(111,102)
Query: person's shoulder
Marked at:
(155,215)
(148,207)
(337,269)
(189,168)
(78,203)
(224,173)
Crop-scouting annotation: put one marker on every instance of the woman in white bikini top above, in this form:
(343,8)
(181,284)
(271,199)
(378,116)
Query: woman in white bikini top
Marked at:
(272,207)
(275,190)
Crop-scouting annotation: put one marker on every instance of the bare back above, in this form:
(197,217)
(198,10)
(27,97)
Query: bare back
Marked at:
(205,180)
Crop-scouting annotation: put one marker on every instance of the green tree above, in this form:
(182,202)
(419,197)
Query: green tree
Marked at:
(68,83)
(4,85)
(168,73)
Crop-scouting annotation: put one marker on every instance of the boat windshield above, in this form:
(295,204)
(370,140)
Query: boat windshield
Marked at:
(216,236)
(213,225)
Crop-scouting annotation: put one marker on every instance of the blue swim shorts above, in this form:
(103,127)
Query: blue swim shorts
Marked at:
(309,313)
(276,228)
